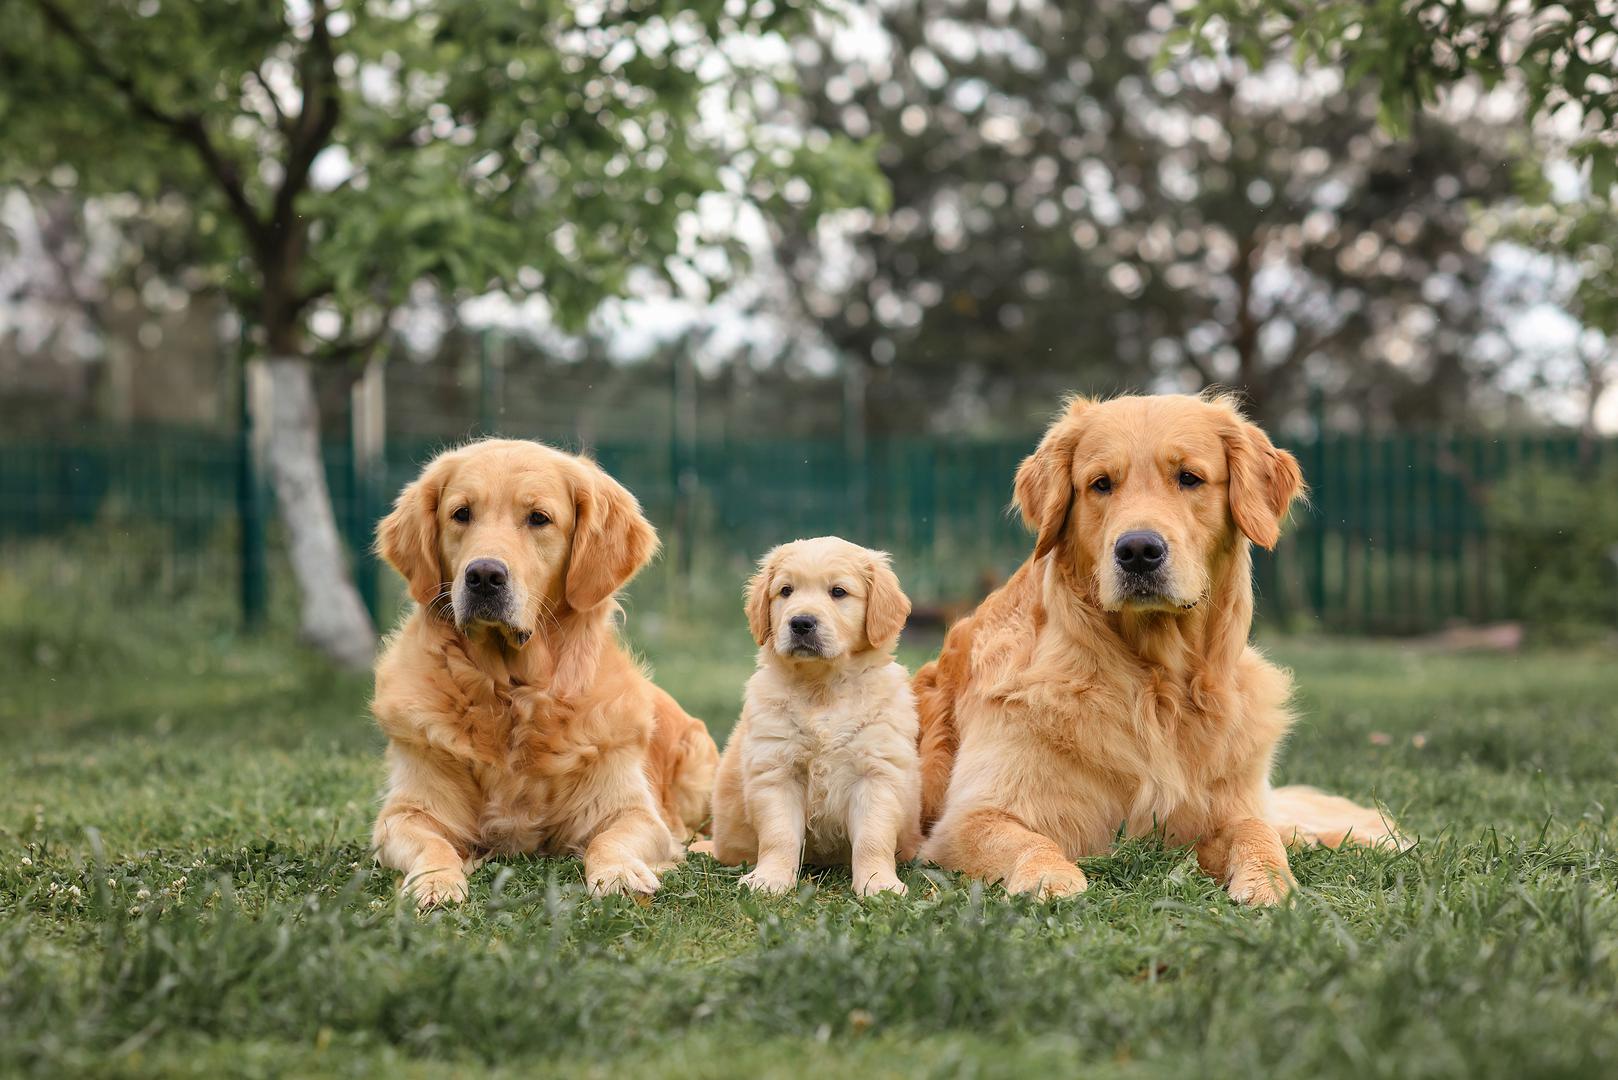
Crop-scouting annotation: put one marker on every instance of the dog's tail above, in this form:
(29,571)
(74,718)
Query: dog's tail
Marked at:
(1307,816)
(682,764)
(936,743)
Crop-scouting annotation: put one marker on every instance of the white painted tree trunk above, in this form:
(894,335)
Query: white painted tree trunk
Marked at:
(333,618)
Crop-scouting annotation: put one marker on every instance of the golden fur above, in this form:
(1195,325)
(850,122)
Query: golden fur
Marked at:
(1071,703)
(520,724)
(822,765)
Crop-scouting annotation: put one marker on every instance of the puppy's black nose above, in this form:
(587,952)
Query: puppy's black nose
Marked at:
(1140,552)
(803,624)
(486,577)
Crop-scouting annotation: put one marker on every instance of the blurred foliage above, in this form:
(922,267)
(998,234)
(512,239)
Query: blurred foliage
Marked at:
(1561,53)
(1586,234)
(329,156)
(1067,212)
(1558,532)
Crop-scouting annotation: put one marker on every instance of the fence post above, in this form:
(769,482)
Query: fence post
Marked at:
(368,424)
(488,383)
(249,491)
(1317,519)
(683,463)
(855,449)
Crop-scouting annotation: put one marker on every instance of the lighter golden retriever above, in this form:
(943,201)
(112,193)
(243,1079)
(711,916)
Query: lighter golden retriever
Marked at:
(516,722)
(822,766)
(1110,682)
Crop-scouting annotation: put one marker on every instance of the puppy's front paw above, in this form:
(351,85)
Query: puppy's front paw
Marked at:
(1047,879)
(621,878)
(702,847)
(879,883)
(769,881)
(430,888)
(1260,885)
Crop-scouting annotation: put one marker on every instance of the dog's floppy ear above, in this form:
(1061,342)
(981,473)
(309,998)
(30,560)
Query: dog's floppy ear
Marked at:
(760,591)
(886,605)
(1044,485)
(1263,481)
(612,539)
(407,539)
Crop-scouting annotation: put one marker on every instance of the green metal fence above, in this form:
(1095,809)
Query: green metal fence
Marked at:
(1395,538)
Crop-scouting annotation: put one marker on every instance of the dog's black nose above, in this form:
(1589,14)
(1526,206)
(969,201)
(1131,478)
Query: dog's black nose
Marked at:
(803,624)
(486,577)
(1140,552)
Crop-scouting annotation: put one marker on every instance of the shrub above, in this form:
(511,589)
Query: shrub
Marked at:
(1558,535)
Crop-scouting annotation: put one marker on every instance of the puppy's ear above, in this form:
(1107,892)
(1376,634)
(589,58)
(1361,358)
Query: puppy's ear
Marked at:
(886,605)
(612,539)
(1044,485)
(407,539)
(760,591)
(1264,480)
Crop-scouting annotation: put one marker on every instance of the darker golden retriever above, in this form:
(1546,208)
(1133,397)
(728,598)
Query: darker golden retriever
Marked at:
(516,722)
(1110,682)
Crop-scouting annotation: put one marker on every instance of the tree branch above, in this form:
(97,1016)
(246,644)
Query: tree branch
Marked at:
(356,347)
(311,130)
(187,127)
(256,73)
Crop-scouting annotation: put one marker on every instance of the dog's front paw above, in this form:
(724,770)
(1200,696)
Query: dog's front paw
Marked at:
(431,888)
(769,881)
(621,878)
(1261,885)
(702,847)
(880,883)
(1047,879)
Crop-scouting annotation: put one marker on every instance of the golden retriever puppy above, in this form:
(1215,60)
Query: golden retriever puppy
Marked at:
(516,722)
(822,766)
(1110,681)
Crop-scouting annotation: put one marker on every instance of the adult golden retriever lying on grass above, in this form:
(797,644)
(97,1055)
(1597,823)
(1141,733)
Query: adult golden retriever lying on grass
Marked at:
(516,722)
(1110,681)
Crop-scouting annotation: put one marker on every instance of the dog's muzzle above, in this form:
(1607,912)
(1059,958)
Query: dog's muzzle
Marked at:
(1141,559)
(484,595)
(803,637)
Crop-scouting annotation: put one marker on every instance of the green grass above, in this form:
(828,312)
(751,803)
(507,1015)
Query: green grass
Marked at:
(185,889)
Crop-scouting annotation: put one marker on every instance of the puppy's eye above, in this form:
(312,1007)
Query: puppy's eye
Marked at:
(463,515)
(1189,479)
(538,517)
(1101,485)
(786,590)
(838,592)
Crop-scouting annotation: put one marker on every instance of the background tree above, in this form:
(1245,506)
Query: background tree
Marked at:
(1067,212)
(1579,238)
(1558,53)
(332,155)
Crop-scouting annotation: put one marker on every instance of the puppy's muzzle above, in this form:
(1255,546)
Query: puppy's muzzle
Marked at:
(803,638)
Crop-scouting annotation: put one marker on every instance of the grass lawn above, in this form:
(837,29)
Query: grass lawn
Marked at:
(185,889)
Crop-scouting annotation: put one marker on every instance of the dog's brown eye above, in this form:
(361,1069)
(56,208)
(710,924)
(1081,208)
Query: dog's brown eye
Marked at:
(838,592)
(786,590)
(538,518)
(463,515)
(1101,485)
(1189,479)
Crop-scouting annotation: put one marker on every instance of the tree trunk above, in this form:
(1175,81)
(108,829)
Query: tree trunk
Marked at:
(334,618)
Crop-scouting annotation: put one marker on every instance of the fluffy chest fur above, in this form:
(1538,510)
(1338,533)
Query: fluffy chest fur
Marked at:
(829,734)
(1119,725)
(530,768)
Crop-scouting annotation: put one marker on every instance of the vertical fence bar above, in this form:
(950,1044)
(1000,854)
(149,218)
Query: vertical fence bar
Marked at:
(488,384)
(1317,515)
(856,458)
